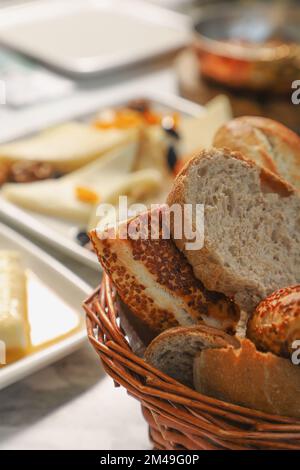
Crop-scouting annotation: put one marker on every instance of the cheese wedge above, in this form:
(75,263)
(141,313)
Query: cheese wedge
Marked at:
(14,329)
(153,150)
(62,198)
(66,147)
(138,187)
(198,133)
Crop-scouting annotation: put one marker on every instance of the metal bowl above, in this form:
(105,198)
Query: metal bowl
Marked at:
(255,47)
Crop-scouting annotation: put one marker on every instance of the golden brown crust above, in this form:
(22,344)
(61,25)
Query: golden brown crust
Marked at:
(264,141)
(250,378)
(273,127)
(139,267)
(275,324)
(129,289)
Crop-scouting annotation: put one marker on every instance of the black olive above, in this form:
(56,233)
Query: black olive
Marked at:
(169,126)
(82,238)
(171,131)
(171,157)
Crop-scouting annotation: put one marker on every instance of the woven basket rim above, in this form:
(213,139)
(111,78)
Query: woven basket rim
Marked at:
(151,386)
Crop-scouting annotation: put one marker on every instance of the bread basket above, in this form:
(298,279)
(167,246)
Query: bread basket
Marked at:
(178,417)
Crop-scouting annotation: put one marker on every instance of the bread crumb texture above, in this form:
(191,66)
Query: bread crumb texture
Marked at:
(252,226)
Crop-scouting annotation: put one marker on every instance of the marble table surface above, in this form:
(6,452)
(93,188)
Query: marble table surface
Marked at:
(70,405)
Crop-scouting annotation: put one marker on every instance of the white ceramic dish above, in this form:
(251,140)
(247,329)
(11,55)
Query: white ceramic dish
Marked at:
(59,233)
(87,37)
(61,286)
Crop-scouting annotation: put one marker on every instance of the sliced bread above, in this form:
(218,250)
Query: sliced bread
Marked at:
(154,279)
(251,226)
(266,142)
(173,351)
(250,378)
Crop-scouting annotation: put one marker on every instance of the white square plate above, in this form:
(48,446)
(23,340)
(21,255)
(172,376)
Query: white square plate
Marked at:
(88,37)
(62,286)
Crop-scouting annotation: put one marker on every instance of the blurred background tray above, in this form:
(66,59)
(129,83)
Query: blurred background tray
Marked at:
(79,37)
(59,233)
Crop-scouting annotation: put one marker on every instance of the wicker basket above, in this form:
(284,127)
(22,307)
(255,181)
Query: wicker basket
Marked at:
(178,417)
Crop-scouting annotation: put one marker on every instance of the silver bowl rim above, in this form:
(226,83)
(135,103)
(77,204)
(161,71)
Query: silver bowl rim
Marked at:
(262,52)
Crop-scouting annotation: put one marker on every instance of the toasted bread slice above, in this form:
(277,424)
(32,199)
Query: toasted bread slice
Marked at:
(155,280)
(266,142)
(251,226)
(173,351)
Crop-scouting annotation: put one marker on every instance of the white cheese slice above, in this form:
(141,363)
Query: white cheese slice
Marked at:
(198,133)
(153,149)
(14,329)
(66,147)
(137,186)
(58,198)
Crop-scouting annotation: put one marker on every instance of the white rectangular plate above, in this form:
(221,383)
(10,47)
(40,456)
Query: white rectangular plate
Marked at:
(87,37)
(64,285)
(59,233)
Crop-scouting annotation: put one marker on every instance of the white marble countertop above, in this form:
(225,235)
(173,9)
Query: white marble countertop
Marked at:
(72,404)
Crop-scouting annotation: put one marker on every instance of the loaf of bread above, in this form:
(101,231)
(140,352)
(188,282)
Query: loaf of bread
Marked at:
(173,351)
(251,226)
(266,142)
(275,324)
(250,378)
(154,279)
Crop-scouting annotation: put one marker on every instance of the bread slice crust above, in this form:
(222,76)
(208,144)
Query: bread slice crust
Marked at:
(156,282)
(250,378)
(242,202)
(173,351)
(267,142)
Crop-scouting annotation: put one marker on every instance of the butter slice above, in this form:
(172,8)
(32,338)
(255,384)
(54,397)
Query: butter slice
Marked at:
(14,329)
(58,197)
(198,133)
(66,147)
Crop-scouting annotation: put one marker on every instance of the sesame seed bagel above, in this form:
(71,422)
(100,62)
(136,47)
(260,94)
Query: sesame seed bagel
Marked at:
(275,324)
(154,279)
